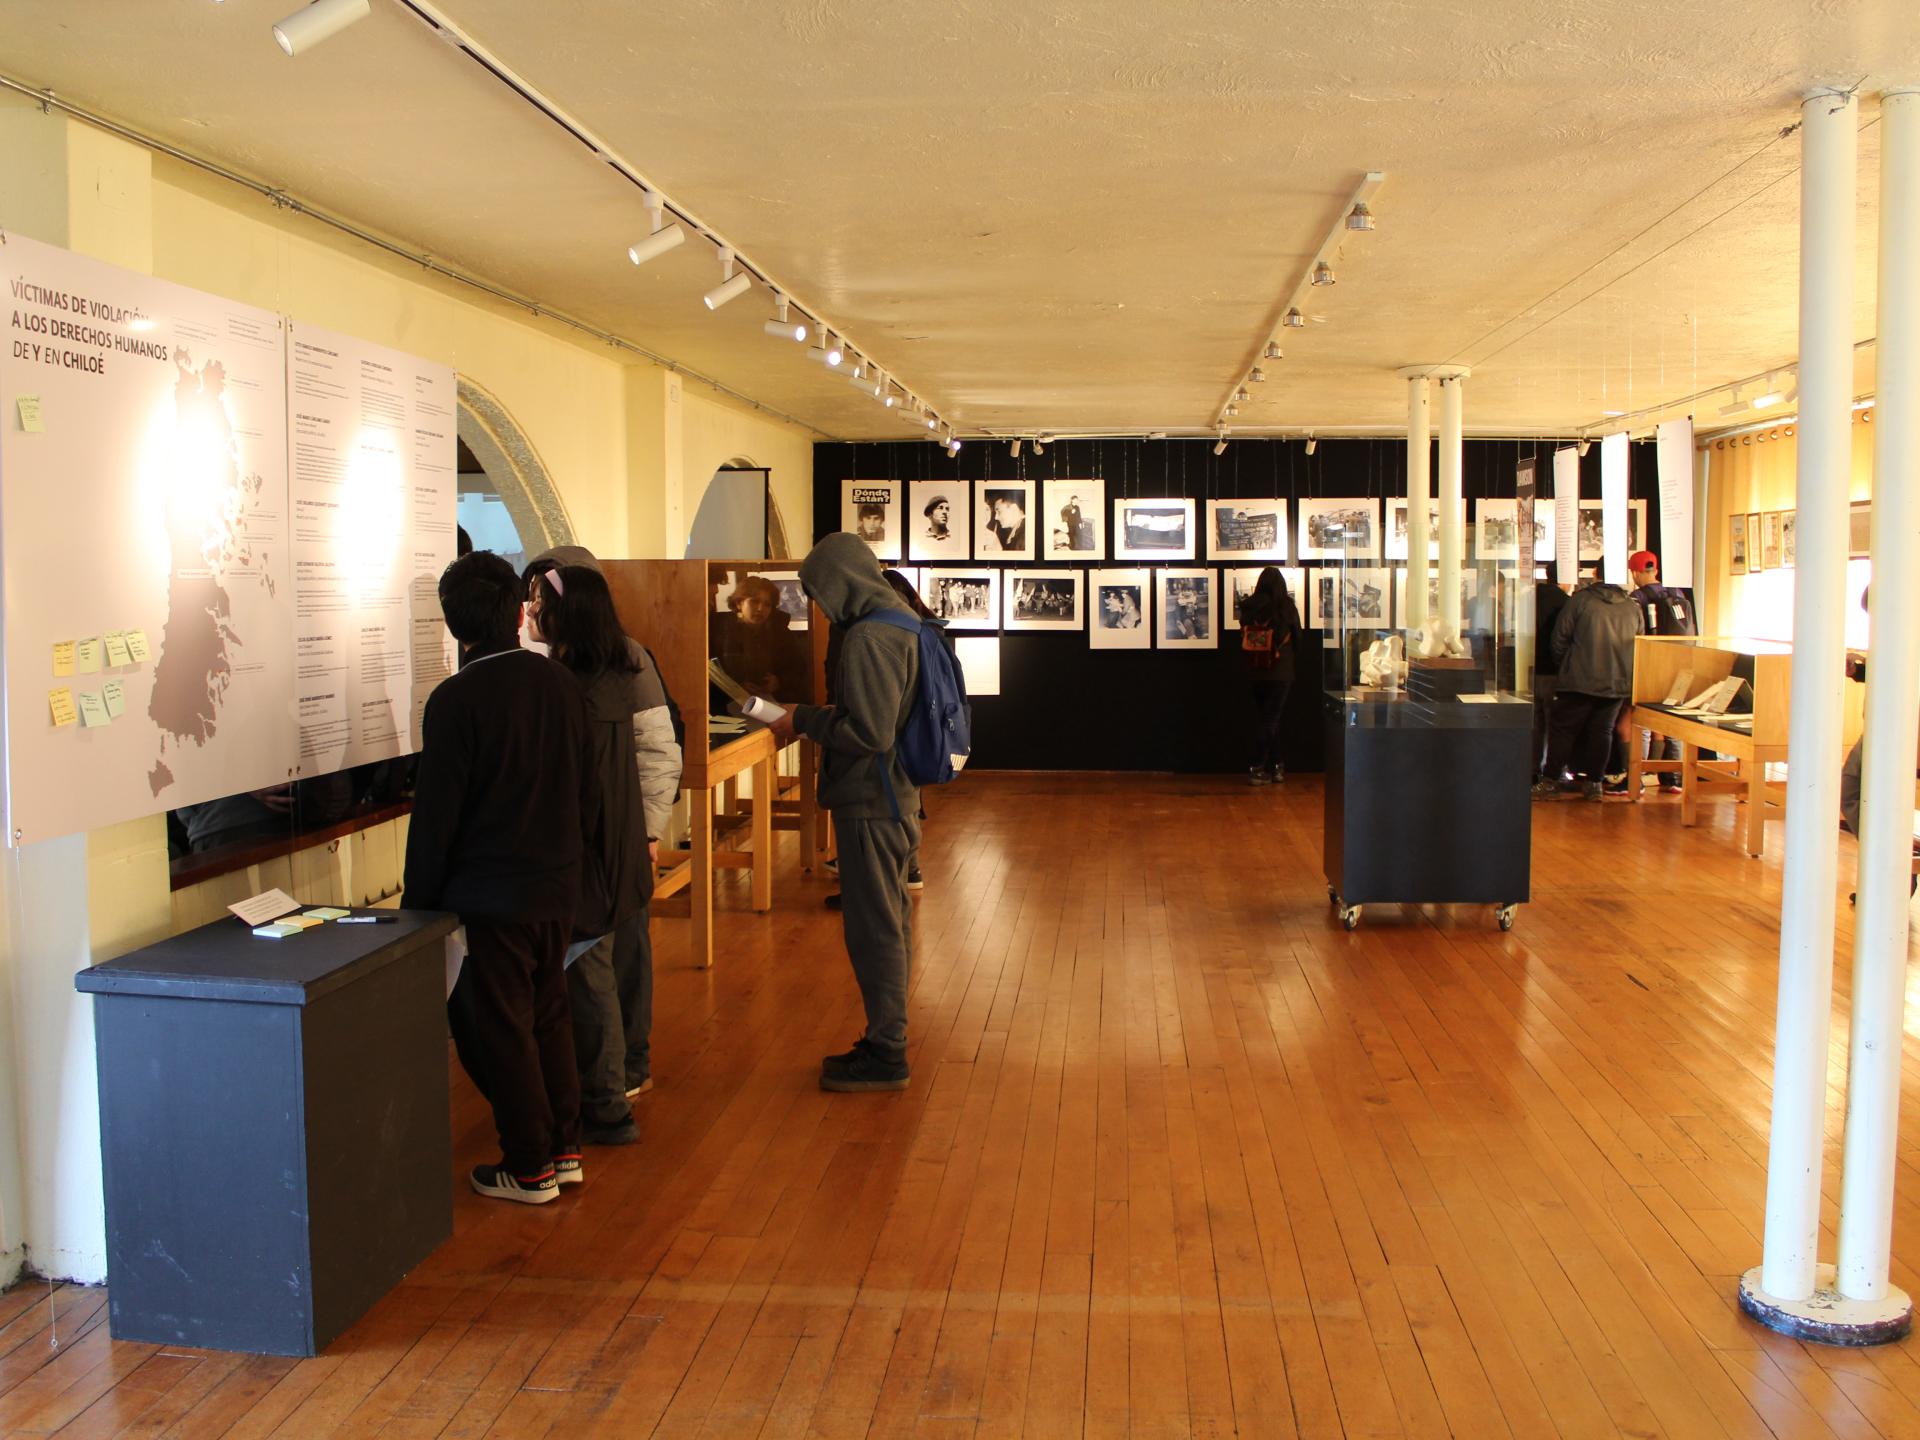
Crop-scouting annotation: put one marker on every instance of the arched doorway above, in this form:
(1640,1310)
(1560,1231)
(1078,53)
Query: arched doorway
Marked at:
(507,500)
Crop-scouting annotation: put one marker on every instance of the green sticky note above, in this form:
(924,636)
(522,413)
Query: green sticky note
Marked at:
(93,710)
(324,912)
(277,931)
(87,656)
(115,696)
(137,647)
(117,653)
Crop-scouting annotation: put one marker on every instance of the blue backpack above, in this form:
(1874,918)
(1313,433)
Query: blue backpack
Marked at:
(939,734)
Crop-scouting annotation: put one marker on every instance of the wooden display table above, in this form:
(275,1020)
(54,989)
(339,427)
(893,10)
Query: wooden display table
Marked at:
(1742,754)
(678,609)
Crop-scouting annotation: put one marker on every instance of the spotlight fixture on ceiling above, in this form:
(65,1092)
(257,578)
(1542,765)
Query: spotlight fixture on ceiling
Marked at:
(1582,448)
(1233,410)
(1014,449)
(1735,405)
(1243,394)
(1769,397)
(1258,376)
(660,238)
(320,21)
(733,283)
(1322,273)
(1312,444)
(1360,217)
(1272,352)
(1039,444)
(1294,320)
(1220,445)
(827,352)
(953,444)
(780,326)
(870,383)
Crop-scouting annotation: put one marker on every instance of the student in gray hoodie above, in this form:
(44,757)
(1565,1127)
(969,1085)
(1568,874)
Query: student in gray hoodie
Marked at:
(873,803)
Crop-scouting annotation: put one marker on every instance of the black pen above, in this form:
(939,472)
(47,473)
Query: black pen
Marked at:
(367,920)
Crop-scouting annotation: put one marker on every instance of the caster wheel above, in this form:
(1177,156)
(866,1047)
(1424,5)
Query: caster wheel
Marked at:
(1350,916)
(1506,916)
(1333,897)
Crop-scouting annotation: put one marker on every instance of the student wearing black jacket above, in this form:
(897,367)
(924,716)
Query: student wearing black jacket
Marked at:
(501,803)
(1269,640)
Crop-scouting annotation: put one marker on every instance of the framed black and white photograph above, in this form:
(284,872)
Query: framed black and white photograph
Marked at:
(1003,520)
(1397,528)
(1469,593)
(1756,551)
(965,599)
(1339,527)
(937,520)
(1497,531)
(1121,604)
(1773,534)
(871,510)
(1247,529)
(1352,597)
(1045,599)
(1074,520)
(1185,609)
(1237,584)
(1737,544)
(1153,529)
(1789,538)
(1593,534)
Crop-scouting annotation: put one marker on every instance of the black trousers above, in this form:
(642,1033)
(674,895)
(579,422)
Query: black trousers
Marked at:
(1581,733)
(1269,706)
(514,1035)
(610,989)
(1543,688)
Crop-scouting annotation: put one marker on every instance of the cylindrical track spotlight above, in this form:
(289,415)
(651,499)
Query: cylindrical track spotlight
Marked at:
(731,288)
(1294,319)
(1272,352)
(1258,376)
(1312,444)
(1323,273)
(787,330)
(657,244)
(1360,217)
(1220,446)
(1243,394)
(319,21)
(1014,449)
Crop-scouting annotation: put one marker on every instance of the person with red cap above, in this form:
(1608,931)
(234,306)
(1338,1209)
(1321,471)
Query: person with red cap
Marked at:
(1669,611)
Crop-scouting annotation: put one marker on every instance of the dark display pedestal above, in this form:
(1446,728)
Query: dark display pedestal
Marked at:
(274,1128)
(1427,803)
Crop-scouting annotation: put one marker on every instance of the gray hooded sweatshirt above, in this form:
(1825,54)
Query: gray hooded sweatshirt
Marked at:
(879,676)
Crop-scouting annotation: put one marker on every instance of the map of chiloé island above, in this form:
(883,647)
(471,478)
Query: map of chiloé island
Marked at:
(209,545)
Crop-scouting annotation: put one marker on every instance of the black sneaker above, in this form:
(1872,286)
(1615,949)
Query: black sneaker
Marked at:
(865,1067)
(609,1132)
(567,1169)
(914,882)
(1276,774)
(1590,790)
(1256,775)
(833,901)
(1550,790)
(502,1184)
(1616,785)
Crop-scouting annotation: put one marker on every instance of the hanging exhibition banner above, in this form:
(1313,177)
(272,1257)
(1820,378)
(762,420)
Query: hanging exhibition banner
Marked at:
(1675,447)
(1566,515)
(1613,508)
(156,569)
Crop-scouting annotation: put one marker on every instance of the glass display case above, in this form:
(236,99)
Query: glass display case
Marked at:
(1430,720)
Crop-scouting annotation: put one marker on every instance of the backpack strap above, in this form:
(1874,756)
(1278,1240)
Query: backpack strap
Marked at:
(899,620)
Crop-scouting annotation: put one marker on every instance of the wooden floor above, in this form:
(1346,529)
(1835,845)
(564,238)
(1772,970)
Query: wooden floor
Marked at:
(1181,1158)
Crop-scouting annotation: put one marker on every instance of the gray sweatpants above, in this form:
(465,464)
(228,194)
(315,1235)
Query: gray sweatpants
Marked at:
(878,919)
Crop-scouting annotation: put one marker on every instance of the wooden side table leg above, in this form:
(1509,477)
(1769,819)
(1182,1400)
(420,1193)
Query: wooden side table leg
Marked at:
(764,782)
(1756,808)
(1689,783)
(700,822)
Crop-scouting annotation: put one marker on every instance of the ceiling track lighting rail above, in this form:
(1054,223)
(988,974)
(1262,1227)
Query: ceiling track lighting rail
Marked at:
(744,273)
(283,199)
(1356,216)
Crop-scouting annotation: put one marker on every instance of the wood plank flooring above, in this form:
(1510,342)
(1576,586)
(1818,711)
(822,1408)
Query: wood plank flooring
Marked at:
(1181,1159)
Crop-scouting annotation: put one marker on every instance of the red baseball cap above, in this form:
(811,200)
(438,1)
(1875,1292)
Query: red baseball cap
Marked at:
(1642,560)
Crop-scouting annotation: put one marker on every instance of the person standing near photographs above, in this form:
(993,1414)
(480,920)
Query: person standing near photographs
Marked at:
(873,803)
(1269,639)
(1592,644)
(611,986)
(502,802)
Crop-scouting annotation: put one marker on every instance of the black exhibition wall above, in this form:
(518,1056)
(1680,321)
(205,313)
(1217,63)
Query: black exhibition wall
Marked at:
(1064,706)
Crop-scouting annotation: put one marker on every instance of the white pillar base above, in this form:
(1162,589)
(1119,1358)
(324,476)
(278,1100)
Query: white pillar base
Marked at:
(1827,1316)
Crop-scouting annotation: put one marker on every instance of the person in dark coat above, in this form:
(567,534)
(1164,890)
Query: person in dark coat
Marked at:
(1269,641)
(1592,645)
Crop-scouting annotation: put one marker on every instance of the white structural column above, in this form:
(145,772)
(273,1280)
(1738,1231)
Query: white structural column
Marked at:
(1446,625)
(1419,493)
(1893,719)
(1778,1292)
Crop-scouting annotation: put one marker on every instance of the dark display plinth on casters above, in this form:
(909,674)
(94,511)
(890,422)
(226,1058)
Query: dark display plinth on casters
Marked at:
(1427,803)
(274,1128)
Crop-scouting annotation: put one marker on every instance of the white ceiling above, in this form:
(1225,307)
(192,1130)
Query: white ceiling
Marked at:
(1059,217)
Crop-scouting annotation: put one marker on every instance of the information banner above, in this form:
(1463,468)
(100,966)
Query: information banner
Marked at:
(1566,515)
(143,484)
(1676,502)
(372,485)
(1613,508)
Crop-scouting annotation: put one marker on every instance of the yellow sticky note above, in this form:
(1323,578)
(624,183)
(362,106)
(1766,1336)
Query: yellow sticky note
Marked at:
(63,657)
(87,656)
(115,696)
(61,703)
(93,710)
(137,647)
(117,649)
(30,414)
